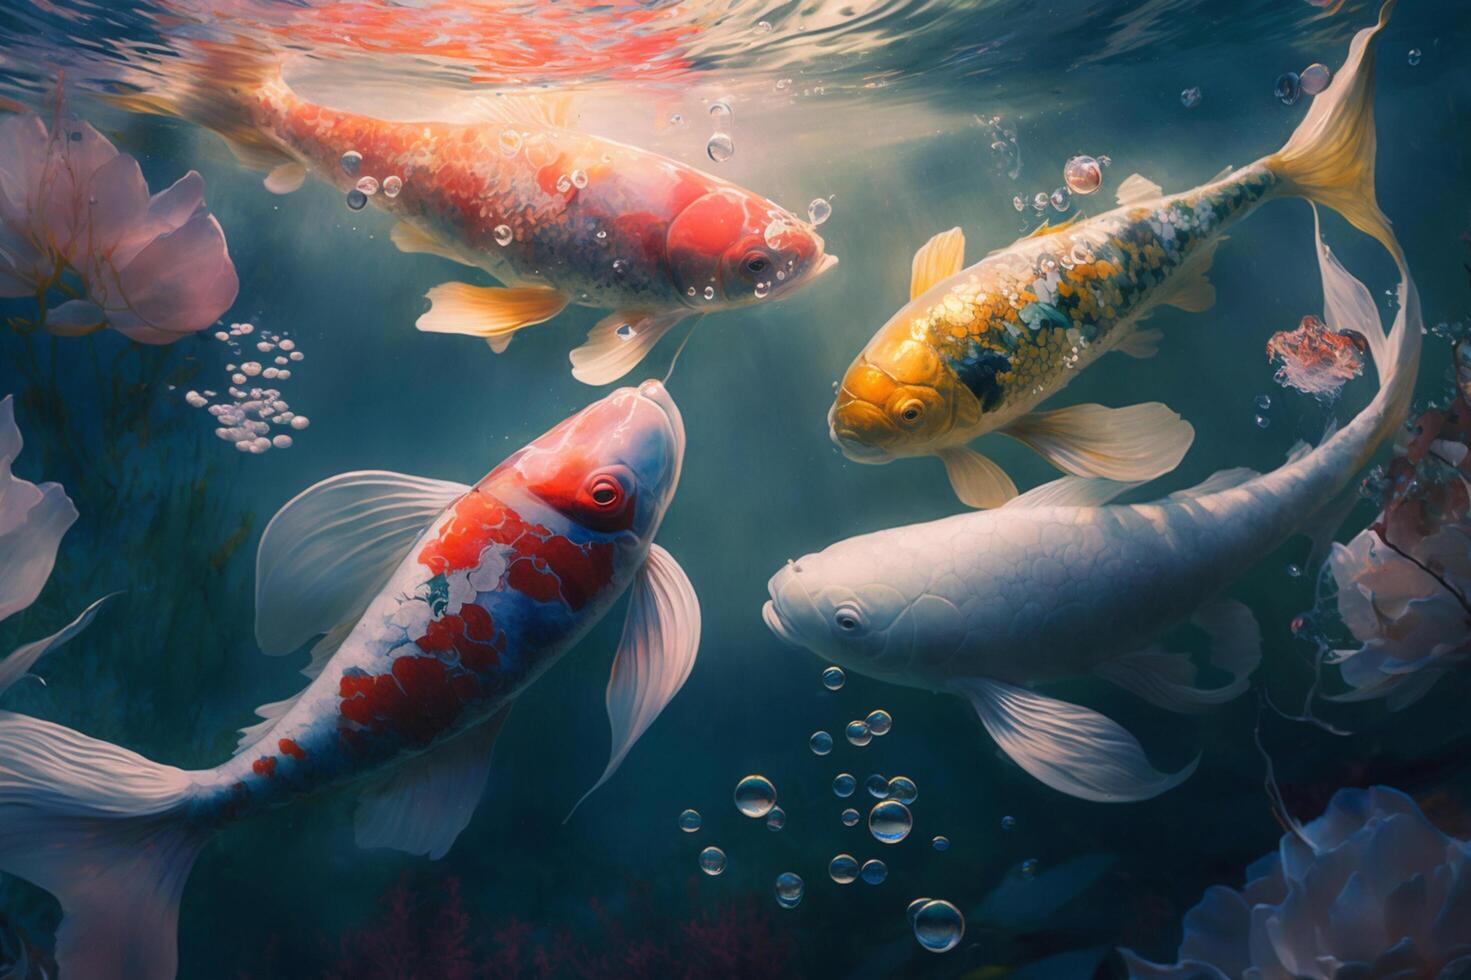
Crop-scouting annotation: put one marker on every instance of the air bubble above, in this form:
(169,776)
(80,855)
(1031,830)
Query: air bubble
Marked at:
(1082,174)
(503,235)
(689,821)
(392,185)
(712,861)
(1190,98)
(819,210)
(755,796)
(833,678)
(821,743)
(352,162)
(843,869)
(720,147)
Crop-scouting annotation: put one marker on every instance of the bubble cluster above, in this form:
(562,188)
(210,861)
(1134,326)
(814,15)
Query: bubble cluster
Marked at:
(902,788)
(755,796)
(720,147)
(890,821)
(1289,87)
(1082,175)
(689,821)
(843,869)
(1315,78)
(246,418)
(789,889)
(712,861)
(938,925)
(1006,153)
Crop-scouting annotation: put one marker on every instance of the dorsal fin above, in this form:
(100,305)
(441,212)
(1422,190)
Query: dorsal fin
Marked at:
(1137,188)
(937,259)
(1225,172)
(1045,229)
(546,110)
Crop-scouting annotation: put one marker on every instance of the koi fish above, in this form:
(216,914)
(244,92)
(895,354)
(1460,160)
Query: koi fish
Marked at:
(977,349)
(558,216)
(1056,585)
(437,605)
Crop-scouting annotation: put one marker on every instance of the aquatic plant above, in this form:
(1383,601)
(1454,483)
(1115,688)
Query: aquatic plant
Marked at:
(423,929)
(1369,889)
(77,223)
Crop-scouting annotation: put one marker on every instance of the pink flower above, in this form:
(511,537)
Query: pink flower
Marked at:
(33,520)
(1411,625)
(154,268)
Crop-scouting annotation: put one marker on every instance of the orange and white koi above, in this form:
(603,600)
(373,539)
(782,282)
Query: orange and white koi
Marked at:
(559,217)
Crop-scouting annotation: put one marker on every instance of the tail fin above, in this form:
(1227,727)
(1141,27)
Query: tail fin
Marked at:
(104,830)
(218,90)
(1330,157)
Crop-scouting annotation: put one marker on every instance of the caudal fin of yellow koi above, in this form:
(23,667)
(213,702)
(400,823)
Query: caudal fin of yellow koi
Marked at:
(1330,157)
(216,88)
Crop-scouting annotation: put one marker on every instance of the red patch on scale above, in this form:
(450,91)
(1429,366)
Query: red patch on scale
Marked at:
(289,747)
(264,766)
(471,633)
(416,699)
(544,566)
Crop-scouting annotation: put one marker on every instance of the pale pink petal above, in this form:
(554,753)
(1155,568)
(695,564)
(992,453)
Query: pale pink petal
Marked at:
(74,318)
(23,145)
(77,152)
(32,522)
(117,206)
(166,211)
(183,281)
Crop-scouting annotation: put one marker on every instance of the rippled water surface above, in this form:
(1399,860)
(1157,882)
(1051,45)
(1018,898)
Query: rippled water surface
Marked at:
(893,120)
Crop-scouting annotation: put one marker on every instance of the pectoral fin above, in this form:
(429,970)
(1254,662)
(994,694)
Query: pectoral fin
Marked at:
(939,258)
(285,178)
(421,806)
(661,637)
(617,343)
(1136,443)
(325,554)
(976,480)
(1140,344)
(23,658)
(1167,679)
(488,311)
(409,239)
(1073,750)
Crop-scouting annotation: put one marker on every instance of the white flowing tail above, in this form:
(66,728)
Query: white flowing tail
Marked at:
(105,831)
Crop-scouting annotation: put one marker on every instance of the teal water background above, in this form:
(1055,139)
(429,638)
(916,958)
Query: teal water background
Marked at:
(171,669)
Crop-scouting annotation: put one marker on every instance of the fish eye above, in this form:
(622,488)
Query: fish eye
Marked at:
(605,492)
(755,263)
(911,411)
(848,619)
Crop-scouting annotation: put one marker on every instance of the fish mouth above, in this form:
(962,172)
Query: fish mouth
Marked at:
(852,446)
(773,621)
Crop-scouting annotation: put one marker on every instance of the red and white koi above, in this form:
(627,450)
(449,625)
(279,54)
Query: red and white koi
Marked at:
(558,216)
(437,605)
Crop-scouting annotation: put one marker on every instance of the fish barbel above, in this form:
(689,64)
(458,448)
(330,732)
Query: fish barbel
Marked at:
(977,349)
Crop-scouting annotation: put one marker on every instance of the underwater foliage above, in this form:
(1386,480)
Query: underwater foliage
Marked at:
(1369,889)
(71,206)
(424,928)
